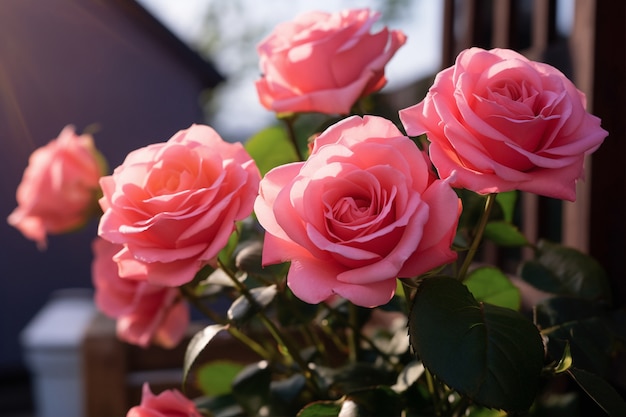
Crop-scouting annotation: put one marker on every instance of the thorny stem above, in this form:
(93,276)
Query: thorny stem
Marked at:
(349,346)
(491,198)
(353,333)
(408,293)
(439,398)
(291,133)
(242,337)
(271,327)
(306,330)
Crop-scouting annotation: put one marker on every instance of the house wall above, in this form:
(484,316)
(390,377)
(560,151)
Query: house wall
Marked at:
(89,63)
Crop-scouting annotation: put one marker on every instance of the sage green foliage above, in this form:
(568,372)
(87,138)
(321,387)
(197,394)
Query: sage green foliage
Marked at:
(491,285)
(270,148)
(215,378)
(505,234)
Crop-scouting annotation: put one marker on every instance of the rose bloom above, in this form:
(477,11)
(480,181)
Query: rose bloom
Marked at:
(169,403)
(59,189)
(145,313)
(505,123)
(173,205)
(364,209)
(324,62)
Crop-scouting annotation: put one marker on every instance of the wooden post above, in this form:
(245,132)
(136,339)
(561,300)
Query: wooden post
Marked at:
(608,182)
(104,370)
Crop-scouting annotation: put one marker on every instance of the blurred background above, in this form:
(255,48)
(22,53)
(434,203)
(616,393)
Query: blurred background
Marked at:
(133,72)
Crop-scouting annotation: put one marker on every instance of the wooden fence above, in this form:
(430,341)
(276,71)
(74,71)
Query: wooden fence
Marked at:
(593,55)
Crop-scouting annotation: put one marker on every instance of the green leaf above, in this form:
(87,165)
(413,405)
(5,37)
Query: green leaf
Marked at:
(321,409)
(558,310)
(377,401)
(490,285)
(506,234)
(286,390)
(248,256)
(600,391)
(591,343)
(565,362)
(197,344)
(221,405)
(562,270)
(507,202)
(242,308)
(215,378)
(485,412)
(270,148)
(491,354)
(251,387)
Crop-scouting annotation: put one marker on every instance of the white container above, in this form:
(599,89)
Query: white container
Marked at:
(51,344)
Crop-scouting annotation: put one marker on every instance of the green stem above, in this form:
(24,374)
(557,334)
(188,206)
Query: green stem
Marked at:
(306,330)
(272,328)
(352,343)
(408,293)
(491,198)
(333,336)
(460,408)
(254,346)
(353,333)
(434,392)
(291,133)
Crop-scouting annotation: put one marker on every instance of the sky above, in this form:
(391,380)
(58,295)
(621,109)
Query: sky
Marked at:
(187,19)
(241,24)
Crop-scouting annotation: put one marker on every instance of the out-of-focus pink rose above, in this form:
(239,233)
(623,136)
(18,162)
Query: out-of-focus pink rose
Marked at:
(364,209)
(173,205)
(324,62)
(505,123)
(169,403)
(59,189)
(145,313)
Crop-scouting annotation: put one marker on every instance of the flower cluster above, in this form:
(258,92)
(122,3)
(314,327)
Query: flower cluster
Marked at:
(329,257)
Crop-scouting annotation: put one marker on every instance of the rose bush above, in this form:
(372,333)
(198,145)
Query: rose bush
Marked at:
(58,187)
(503,122)
(364,209)
(364,215)
(145,314)
(322,62)
(169,403)
(173,205)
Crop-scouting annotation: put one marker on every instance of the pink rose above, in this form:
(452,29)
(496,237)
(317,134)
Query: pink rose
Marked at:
(145,313)
(505,123)
(169,403)
(364,209)
(323,62)
(59,189)
(173,205)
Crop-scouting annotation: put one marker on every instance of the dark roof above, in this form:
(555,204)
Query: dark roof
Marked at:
(139,14)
